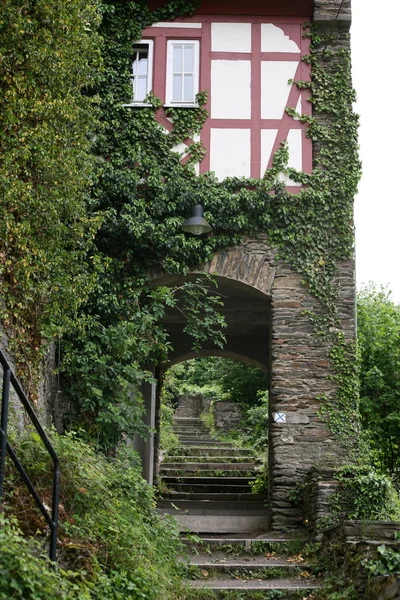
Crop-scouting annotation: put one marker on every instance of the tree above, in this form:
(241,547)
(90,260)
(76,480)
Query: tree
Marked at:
(50,56)
(378,320)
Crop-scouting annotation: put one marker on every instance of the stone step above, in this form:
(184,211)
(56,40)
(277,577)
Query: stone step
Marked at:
(195,438)
(222,562)
(188,421)
(208,466)
(222,524)
(262,542)
(213,507)
(208,480)
(214,488)
(198,435)
(207,443)
(213,459)
(249,585)
(215,473)
(214,451)
(214,496)
(191,428)
(191,434)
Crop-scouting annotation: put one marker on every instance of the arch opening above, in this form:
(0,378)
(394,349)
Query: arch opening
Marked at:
(247,313)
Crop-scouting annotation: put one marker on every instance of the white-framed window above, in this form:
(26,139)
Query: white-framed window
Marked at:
(183,57)
(142,70)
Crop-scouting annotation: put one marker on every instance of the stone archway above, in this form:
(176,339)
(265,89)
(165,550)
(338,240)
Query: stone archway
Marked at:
(266,309)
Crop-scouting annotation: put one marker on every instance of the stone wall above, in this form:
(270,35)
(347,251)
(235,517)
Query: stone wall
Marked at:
(46,406)
(189,407)
(298,363)
(16,412)
(300,369)
(318,489)
(352,542)
(227,415)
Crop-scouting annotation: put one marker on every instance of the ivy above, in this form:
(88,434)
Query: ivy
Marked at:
(49,55)
(141,193)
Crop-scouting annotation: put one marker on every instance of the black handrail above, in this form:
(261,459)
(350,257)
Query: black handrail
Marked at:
(10,379)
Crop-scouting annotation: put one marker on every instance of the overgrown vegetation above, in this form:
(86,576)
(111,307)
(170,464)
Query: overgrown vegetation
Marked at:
(138,192)
(378,321)
(112,542)
(93,202)
(50,57)
(219,379)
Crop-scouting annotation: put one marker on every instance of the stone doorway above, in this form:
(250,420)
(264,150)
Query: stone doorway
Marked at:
(266,308)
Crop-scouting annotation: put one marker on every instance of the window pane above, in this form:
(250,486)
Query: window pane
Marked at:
(135,65)
(178,59)
(143,63)
(141,88)
(188,88)
(189,59)
(177,88)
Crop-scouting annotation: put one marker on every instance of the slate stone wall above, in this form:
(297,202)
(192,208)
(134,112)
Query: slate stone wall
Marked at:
(16,412)
(352,542)
(300,368)
(189,407)
(227,415)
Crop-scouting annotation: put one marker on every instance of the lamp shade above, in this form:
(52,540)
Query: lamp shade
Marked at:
(196,224)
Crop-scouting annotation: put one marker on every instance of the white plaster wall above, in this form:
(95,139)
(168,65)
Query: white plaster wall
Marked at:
(299,108)
(230,152)
(231,37)
(230,89)
(267,141)
(275,88)
(273,39)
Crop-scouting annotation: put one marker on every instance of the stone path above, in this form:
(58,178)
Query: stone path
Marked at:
(207,490)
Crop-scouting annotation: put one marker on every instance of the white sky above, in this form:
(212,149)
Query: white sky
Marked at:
(375,48)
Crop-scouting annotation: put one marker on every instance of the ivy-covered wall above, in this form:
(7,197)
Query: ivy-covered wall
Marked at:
(133,201)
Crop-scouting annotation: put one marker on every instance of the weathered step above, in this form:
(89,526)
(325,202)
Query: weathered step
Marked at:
(193,438)
(208,466)
(191,430)
(212,459)
(221,562)
(191,421)
(274,543)
(215,488)
(224,583)
(209,443)
(225,481)
(215,451)
(213,507)
(214,496)
(222,524)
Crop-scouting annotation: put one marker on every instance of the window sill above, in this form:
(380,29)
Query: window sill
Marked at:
(138,105)
(181,106)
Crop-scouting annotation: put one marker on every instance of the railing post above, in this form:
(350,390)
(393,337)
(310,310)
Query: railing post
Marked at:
(54,512)
(3,427)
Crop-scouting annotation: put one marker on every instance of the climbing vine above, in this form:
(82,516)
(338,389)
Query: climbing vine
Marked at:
(142,193)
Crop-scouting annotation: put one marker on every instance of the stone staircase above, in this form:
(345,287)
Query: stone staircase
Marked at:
(224,525)
(260,566)
(208,482)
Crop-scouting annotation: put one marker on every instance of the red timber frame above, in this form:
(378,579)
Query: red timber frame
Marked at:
(293,28)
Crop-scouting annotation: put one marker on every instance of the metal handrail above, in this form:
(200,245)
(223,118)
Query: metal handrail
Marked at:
(9,379)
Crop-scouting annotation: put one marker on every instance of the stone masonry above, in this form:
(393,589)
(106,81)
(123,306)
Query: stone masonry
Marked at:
(299,366)
(227,415)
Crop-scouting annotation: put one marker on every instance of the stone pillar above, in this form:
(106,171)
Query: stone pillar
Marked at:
(145,447)
(300,369)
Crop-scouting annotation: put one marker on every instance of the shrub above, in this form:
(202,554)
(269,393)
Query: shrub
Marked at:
(111,536)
